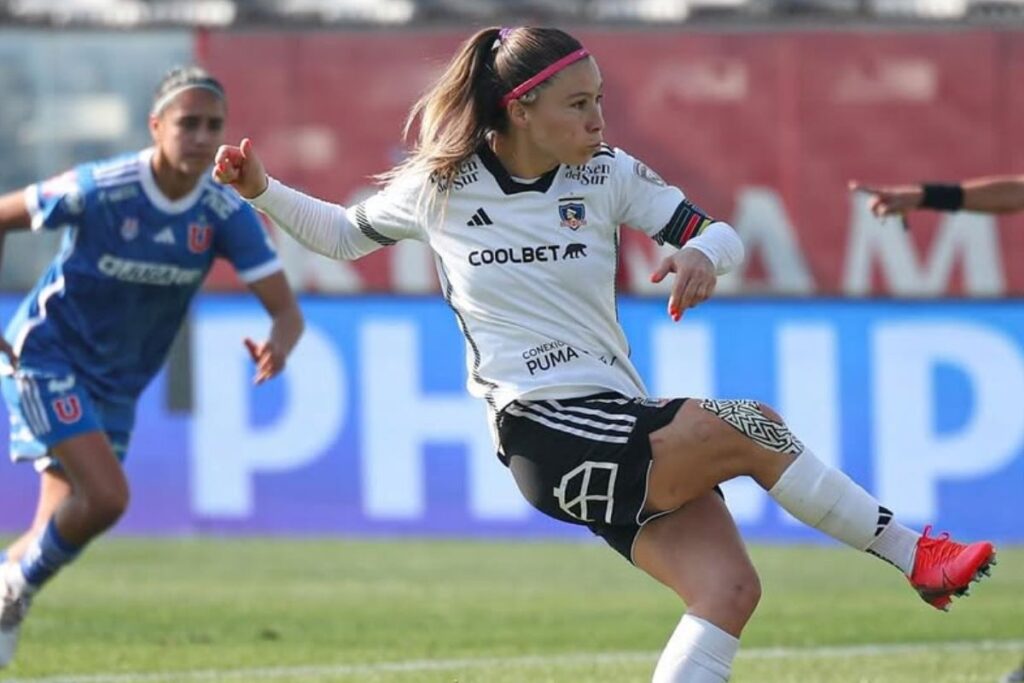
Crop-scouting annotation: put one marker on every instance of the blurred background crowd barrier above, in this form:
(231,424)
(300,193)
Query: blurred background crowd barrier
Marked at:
(762,128)
(897,355)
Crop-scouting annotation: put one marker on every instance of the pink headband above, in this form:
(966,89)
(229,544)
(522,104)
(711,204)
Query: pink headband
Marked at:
(546,73)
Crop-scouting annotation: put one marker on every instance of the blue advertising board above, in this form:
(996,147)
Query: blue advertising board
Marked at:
(370,430)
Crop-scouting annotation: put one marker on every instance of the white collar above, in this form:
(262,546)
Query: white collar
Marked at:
(158,198)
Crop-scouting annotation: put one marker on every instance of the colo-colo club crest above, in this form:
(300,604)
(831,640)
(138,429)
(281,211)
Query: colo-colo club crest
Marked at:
(572,212)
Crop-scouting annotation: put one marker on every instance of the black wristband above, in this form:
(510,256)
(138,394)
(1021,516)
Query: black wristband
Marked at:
(942,197)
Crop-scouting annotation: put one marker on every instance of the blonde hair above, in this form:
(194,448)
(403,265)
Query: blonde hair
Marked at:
(462,109)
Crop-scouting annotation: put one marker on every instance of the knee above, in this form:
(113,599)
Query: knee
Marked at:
(747,595)
(106,505)
(733,600)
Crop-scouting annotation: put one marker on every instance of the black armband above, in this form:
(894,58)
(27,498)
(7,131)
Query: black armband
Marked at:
(942,197)
(687,222)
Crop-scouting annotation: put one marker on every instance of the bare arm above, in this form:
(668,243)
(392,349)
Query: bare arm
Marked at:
(287,324)
(996,194)
(13,212)
(993,194)
(13,216)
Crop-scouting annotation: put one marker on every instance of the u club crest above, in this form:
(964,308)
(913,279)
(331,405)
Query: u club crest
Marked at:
(572,212)
(199,237)
(130,228)
(67,409)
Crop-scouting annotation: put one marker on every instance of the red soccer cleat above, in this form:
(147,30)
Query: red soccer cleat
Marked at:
(944,568)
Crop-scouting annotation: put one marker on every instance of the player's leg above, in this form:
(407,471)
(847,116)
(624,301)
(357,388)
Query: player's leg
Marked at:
(709,442)
(98,496)
(53,417)
(696,551)
(588,461)
(53,489)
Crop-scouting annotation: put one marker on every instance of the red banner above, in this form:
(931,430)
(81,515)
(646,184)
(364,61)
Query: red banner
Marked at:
(762,130)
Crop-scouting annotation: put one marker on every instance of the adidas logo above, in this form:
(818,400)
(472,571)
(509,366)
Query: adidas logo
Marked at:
(480,218)
(165,236)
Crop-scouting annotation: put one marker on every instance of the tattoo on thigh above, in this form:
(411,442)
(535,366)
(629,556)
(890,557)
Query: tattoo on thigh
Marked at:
(746,417)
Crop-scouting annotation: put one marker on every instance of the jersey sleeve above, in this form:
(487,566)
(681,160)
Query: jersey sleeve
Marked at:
(392,214)
(646,202)
(243,241)
(59,201)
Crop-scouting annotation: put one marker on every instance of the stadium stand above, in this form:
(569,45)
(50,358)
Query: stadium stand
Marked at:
(220,13)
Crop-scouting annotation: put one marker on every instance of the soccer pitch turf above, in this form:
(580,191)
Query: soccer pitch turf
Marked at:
(161,610)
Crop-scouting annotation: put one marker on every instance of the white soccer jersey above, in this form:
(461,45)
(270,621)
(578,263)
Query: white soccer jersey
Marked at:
(530,268)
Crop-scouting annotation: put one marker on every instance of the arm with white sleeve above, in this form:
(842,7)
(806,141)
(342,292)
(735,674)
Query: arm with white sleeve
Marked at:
(324,227)
(320,226)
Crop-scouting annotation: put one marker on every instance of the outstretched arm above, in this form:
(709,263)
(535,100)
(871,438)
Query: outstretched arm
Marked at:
(287,324)
(14,215)
(993,194)
(320,226)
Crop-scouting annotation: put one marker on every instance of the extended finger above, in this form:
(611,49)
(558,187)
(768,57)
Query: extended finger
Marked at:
(857,186)
(675,299)
(691,295)
(268,367)
(253,348)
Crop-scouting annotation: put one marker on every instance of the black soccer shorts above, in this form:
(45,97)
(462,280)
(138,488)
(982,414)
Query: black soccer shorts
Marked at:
(586,460)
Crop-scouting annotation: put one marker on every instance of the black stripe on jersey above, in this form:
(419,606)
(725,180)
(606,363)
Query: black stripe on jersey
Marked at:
(615,285)
(475,372)
(604,151)
(507,183)
(367,229)
(687,222)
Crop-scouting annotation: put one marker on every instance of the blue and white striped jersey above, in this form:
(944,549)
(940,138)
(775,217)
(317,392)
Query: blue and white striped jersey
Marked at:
(112,300)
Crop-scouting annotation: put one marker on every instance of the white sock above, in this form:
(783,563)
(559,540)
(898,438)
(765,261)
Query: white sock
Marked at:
(15,579)
(826,499)
(697,652)
(897,545)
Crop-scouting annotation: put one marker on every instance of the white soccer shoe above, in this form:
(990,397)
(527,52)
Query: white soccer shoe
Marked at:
(14,607)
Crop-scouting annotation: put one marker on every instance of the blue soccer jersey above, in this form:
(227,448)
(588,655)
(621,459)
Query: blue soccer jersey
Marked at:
(110,304)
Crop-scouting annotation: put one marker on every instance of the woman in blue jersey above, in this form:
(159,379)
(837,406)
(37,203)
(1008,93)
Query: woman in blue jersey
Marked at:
(512,187)
(143,232)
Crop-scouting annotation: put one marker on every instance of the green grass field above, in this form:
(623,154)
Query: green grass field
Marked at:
(285,610)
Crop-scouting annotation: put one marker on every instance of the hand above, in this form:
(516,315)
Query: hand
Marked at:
(695,280)
(6,350)
(240,168)
(269,359)
(890,200)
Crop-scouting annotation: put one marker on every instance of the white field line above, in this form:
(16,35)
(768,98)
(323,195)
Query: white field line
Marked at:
(562,659)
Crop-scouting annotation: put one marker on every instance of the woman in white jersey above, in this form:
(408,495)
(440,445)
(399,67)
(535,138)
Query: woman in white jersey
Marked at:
(513,189)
